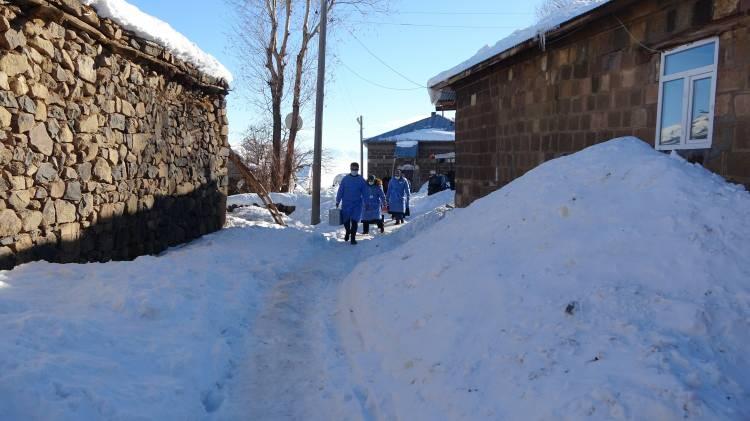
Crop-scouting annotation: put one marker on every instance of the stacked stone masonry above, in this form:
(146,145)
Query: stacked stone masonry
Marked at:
(596,83)
(110,147)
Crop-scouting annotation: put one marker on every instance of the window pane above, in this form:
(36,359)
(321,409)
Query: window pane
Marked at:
(671,112)
(692,58)
(699,113)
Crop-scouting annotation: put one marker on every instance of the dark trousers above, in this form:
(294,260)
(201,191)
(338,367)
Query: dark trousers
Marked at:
(366,225)
(351,229)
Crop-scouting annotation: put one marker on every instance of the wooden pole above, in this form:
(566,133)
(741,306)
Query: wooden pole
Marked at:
(318,145)
(361,147)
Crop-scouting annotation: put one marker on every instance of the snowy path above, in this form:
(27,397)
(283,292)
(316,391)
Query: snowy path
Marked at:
(297,368)
(240,324)
(295,364)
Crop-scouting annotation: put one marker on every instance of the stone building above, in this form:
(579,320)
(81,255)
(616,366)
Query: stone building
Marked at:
(110,146)
(413,149)
(675,73)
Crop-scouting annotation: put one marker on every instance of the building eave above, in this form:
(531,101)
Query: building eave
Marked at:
(563,29)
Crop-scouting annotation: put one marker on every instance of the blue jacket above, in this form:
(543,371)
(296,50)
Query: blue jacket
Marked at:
(398,194)
(352,192)
(374,202)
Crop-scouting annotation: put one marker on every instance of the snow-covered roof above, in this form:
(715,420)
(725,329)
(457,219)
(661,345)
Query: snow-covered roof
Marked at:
(406,143)
(435,128)
(152,29)
(432,135)
(576,9)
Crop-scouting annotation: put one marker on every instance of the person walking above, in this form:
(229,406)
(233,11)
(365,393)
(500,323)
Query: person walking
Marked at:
(374,203)
(351,195)
(399,193)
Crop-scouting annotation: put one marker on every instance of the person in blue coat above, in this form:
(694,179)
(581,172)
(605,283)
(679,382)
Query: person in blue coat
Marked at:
(374,203)
(351,195)
(399,193)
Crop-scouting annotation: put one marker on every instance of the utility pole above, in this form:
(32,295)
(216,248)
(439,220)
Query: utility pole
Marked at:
(318,146)
(361,147)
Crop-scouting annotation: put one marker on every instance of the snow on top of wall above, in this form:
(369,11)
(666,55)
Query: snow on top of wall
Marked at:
(150,28)
(426,135)
(612,282)
(577,8)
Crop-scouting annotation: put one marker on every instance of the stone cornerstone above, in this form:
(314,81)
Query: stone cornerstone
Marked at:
(110,147)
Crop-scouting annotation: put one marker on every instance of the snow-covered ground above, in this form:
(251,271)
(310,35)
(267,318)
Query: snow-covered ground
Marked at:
(420,203)
(610,284)
(236,325)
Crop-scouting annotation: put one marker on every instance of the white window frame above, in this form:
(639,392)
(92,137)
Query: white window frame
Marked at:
(689,77)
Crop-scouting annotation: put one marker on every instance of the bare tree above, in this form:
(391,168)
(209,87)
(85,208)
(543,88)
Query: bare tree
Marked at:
(267,34)
(256,151)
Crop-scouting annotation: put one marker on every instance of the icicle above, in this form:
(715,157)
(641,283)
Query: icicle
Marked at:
(542,35)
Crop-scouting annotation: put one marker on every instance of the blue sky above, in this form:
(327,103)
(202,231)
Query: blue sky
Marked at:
(458,30)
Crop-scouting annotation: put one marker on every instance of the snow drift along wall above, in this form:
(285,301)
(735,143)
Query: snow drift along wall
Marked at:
(110,146)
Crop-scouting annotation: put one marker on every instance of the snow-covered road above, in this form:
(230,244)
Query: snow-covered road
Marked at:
(240,324)
(559,296)
(297,368)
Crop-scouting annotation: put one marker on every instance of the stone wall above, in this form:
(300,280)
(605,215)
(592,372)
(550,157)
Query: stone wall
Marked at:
(597,83)
(110,147)
(380,160)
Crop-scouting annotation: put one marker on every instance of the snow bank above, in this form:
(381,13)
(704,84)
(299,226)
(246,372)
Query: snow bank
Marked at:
(520,36)
(153,29)
(610,284)
(157,338)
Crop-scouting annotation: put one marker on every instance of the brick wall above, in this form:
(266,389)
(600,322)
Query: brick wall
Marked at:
(595,84)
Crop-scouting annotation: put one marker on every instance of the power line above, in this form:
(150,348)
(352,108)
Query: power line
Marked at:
(428,25)
(375,83)
(464,13)
(633,37)
(382,61)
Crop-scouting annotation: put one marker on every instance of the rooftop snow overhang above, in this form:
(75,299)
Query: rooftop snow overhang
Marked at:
(407,149)
(434,128)
(444,87)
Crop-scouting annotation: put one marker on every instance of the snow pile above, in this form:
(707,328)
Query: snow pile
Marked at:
(577,8)
(157,338)
(302,202)
(434,135)
(153,29)
(610,284)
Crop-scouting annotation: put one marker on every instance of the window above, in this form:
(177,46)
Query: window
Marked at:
(687,88)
